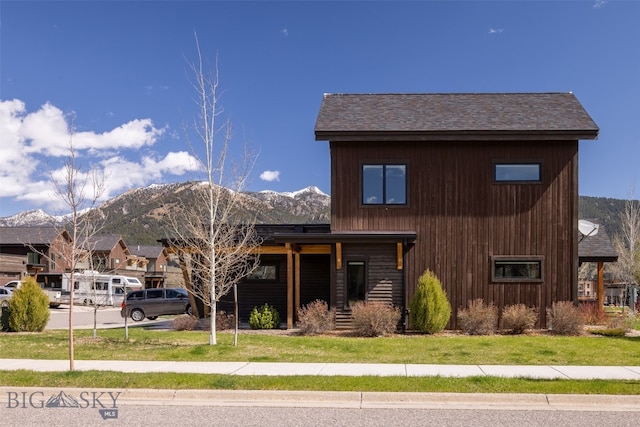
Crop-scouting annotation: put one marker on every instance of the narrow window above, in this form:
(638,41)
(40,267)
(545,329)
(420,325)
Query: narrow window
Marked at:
(264,272)
(517,172)
(517,269)
(356,283)
(384,184)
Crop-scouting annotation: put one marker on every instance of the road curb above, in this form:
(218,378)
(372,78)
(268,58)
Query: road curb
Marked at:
(350,399)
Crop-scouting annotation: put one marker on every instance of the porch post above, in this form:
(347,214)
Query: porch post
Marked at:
(297,283)
(289,286)
(600,286)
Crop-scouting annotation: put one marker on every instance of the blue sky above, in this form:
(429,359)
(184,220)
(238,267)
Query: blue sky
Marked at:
(120,70)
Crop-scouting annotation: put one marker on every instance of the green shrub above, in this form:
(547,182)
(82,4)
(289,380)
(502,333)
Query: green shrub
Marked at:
(316,318)
(518,318)
(28,308)
(374,319)
(265,317)
(565,319)
(429,309)
(478,319)
(610,332)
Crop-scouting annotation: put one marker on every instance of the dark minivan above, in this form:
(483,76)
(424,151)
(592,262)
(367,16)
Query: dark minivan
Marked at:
(151,303)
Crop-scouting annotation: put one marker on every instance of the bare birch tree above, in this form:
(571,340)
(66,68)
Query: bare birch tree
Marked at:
(217,237)
(627,244)
(78,192)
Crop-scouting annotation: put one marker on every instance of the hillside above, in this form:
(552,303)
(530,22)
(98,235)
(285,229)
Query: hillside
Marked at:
(138,215)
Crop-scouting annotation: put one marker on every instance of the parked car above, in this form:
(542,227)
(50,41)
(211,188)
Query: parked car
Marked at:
(151,303)
(5,295)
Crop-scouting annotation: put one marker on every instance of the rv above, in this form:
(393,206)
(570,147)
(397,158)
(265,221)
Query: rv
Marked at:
(93,288)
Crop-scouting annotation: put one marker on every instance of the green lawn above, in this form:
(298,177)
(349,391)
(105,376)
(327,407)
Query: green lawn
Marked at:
(458,349)
(446,349)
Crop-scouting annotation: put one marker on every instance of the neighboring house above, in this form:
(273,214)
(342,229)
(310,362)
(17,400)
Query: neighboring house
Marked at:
(482,189)
(45,251)
(110,254)
(598,249)
(156,267)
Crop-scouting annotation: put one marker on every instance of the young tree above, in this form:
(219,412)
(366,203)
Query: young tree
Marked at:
(217,239)
(78,192)
(627,244)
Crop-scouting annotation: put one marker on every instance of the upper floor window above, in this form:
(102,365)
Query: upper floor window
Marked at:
(384,184)
(517,172)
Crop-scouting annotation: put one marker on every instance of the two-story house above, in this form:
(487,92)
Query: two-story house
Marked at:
(43,252)
(155,266)
(482,189)
(110,254)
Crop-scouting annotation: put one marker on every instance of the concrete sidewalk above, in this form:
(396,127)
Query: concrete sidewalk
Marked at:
(333,369)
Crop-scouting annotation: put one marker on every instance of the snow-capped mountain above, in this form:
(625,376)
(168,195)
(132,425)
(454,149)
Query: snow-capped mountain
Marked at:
(138,215)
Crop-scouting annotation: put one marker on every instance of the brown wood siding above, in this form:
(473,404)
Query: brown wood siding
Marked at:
(384,280)
(462,217)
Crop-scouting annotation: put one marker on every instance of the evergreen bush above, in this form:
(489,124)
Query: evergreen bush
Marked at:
(265,317)
(429,309)
(28,308)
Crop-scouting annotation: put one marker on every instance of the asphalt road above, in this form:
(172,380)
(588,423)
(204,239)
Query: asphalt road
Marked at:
(246,416)
(106,317)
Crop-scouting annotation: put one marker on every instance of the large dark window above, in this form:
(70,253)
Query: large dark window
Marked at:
(384,184)
(517,172)
(516,269)
(356,282)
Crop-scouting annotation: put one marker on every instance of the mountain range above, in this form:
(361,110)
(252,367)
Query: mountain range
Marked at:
(138,214)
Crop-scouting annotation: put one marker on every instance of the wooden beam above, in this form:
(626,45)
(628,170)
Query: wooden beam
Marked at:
(315,249)
(289,286)
(297,280)
(338,256)
(600,286)
(399,256)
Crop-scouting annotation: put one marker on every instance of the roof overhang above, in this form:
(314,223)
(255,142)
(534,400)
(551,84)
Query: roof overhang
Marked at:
(347,237)
(450,136)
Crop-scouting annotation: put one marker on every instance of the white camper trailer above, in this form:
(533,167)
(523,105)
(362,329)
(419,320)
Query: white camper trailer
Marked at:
(93,288)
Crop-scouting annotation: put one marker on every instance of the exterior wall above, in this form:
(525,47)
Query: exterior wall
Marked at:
(315,281)
(462,217)
(12,267)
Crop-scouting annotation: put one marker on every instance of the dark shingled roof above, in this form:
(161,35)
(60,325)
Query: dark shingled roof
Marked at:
(149,252)
(596,248)
(37,235)
(472,115)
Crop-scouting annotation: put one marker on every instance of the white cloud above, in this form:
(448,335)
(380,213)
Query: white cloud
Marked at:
(495,30)
(34,144)
(284,32)
(270,176)
(599,4)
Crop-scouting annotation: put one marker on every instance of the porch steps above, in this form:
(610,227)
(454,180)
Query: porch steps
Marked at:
(343,320)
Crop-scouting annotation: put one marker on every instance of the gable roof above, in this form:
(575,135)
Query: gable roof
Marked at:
(37,235)
(597,248)
(149,252)
(104,243)
(451,116)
